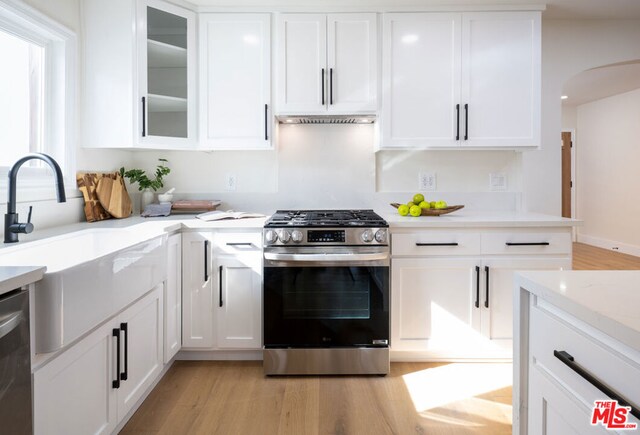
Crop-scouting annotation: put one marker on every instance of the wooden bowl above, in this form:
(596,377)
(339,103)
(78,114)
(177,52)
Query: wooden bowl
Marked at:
(434,211)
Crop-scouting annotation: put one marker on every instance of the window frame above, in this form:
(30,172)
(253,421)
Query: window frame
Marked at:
(59,123)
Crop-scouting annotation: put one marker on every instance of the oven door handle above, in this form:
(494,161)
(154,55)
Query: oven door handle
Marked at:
(351,257)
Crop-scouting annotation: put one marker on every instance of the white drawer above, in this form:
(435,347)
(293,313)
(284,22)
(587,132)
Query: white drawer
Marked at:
(237,242)
(514,243)
(609,361)
(435,243)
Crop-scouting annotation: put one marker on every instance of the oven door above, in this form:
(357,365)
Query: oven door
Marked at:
(326,297)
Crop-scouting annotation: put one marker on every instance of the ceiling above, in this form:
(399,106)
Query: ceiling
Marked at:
(602,82)
(579,9)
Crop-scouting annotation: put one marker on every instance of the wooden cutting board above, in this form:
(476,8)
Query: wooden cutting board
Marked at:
(113,196)
(87,184)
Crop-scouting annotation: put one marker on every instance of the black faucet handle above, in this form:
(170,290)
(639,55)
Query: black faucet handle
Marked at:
(29,215)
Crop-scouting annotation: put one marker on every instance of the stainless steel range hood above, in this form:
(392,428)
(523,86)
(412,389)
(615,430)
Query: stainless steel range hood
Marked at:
(326,119)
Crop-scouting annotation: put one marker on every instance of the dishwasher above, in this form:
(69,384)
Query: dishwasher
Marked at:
(15,363)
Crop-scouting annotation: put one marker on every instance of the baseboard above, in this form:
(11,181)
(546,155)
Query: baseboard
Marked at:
(611,245)
(220,355)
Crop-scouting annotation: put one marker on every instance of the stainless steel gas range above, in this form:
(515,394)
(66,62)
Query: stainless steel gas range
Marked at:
(326,293)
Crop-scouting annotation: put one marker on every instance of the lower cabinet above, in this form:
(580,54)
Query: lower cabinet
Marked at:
(82,391)
(445,308)
(239,308)
(222,290)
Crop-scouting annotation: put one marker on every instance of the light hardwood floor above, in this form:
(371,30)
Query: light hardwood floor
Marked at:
(206,397)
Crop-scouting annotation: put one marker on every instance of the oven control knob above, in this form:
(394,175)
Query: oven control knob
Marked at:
(367,236)
(284,236)
(270,236)
(381,236)
(296,236)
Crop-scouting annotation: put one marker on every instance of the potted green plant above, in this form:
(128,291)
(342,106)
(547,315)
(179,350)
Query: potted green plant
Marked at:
(146,184)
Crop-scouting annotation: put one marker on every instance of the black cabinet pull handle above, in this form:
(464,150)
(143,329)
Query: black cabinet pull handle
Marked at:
(239,244)
(266,121)
(477,303)
(116,383)
(220,304)
(124,327)
(569,361)
(466,122)
(144,116)
(527,244)
(322,81)
(330,85)
(457,122)
(486,283)
(206,260)
(438,244)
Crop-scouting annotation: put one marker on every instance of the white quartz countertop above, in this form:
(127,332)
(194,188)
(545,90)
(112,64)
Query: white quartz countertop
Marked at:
(12,277)
(465,218)
(607,300)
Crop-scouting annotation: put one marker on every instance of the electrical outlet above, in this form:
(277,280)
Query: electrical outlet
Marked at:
(427,181)
(497,181)
(231,182)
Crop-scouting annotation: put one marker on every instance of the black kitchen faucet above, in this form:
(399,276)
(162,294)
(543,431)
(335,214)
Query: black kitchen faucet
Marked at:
(12,227)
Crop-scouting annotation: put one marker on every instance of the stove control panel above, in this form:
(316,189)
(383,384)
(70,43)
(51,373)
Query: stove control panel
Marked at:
(325,236)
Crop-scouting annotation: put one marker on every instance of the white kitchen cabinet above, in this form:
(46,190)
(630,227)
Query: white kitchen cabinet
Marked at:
(496,299)
(235,81)
(433,305)
(141,329)
(83,376)
(139,73)
(173,298)
(461,80)
(452,289)
(222,303)
(421,79)
(239,302)
(197,291)
(327,64)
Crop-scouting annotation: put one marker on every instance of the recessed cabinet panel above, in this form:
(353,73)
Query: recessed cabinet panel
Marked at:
(302,54)
(352,62)
(197,291)
(235,80)
(421,70)
(501,78)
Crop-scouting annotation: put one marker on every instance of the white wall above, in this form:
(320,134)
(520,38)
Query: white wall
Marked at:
(568,48)
(569,118)
(608,178)
(334,166)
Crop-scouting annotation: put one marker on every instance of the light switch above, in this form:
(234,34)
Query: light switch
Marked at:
(498,181)
(427,181)
(230,182)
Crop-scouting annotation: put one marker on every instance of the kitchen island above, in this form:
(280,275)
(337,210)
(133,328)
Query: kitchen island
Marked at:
(577,341)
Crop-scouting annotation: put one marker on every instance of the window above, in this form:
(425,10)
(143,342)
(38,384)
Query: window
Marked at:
(21,96)
(37,97)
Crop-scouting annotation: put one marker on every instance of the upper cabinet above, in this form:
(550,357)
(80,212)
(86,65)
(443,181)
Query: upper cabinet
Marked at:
(235,81)
(326,64)
(140,85)
(461,80)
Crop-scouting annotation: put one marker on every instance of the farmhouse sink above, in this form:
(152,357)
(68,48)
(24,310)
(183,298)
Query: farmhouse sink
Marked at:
(91,275)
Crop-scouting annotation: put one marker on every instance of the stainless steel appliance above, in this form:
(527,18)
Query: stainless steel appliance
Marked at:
(326,293)
(15,364)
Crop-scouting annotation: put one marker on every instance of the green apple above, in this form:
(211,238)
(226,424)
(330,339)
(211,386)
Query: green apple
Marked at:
(424,204)
(403,210)
(440,205)
(418,198)
(432,204)
(415,210)
(411,204)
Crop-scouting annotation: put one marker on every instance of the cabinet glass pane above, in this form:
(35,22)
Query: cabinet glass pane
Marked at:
(166,74)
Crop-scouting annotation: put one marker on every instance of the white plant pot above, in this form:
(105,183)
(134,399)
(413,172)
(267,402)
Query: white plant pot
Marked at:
(145,199)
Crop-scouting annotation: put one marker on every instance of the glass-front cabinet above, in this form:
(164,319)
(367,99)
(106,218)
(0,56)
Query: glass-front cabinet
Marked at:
(139,75)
